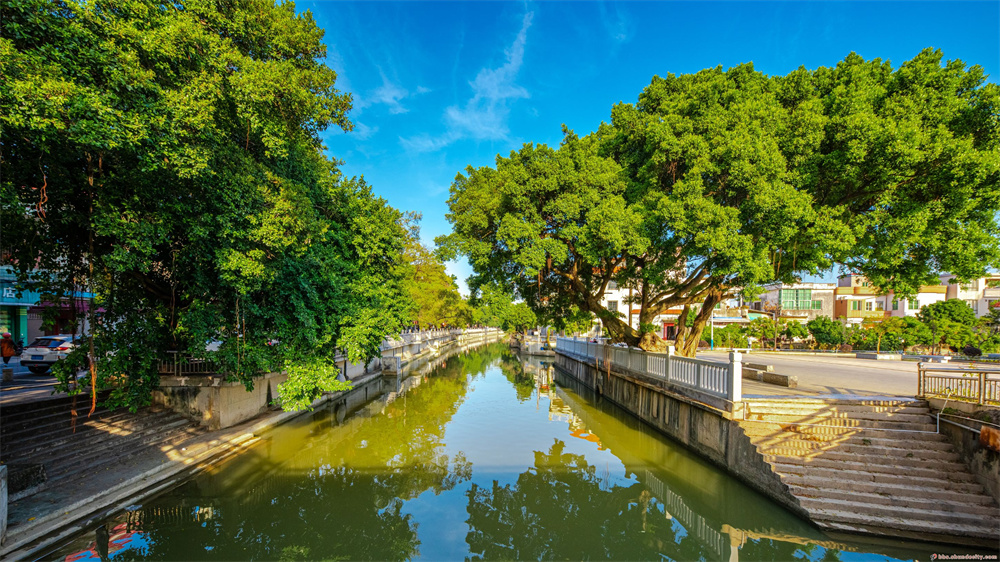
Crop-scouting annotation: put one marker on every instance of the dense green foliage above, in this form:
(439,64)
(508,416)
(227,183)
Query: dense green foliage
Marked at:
(166,156)
(721,181)
(826,331)
(433,292)
(492,306)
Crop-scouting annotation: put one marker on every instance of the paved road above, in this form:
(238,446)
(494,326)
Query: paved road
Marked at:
(830,375)
(27,386)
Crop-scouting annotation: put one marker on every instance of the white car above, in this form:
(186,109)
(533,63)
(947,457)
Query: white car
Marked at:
(46,350)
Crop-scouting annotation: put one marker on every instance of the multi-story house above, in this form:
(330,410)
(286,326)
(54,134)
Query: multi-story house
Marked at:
(616,299)
(801,302)
(980,294)
(857,299)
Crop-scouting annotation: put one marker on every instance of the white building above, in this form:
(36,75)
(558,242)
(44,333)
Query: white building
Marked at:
(798,301)
(980,294)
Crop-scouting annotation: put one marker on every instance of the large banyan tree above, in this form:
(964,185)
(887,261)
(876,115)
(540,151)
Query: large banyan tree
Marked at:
(166,157)
(721,181)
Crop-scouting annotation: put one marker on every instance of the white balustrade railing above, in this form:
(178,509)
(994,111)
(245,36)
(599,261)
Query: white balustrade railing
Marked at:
(430,336)
(724,380)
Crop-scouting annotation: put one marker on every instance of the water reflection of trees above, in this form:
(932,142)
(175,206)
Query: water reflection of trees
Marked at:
(338,496)
(513,370)
(560,508)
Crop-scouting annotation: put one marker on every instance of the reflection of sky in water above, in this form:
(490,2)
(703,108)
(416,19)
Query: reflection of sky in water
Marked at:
(121,543)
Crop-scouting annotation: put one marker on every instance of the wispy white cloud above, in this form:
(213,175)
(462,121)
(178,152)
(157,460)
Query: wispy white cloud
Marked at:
(616,24)
(389,94)
(426,143)
(484,116)
(363,132)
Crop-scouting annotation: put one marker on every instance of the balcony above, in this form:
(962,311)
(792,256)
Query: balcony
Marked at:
(991,293)
(855,291)
(866,314)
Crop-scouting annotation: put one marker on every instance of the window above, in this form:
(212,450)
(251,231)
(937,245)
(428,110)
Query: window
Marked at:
(855,305)
(974,305)
(613,306)
(817,305)
(612,286)
(868,305)
(895,304)
(798,299)
(912,304)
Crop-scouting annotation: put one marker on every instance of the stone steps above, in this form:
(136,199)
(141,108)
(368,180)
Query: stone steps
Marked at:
(819,486)
(837,519)
(159,423)
(65,449)
(872,466)
(983,516)
(883,414)
(114,451)
(871,439)
(821,425)
(952,480)
(87,431)
(826,432)
(847,451)
(867,463)
(965,503)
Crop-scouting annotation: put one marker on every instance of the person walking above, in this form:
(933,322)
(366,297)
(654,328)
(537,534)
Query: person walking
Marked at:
(7,348)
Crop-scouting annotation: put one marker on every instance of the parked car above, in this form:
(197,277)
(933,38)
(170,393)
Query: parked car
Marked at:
(46,350)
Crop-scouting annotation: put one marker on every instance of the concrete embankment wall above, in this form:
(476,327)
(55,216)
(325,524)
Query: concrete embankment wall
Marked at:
(710,432)
(981,460)
(218,404)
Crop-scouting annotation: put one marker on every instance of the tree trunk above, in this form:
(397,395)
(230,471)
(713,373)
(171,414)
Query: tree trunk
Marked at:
(686,344)
(619,331)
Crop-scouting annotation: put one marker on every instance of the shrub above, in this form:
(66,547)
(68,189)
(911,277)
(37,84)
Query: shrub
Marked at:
(846,348)
(971,351)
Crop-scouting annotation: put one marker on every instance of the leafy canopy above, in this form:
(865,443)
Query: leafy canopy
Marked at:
(166,157)
(720,181)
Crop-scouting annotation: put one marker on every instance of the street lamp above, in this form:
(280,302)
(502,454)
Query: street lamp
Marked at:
(774,316)
(712,320)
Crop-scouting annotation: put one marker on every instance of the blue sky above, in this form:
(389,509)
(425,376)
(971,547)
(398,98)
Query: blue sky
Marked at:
(443,85)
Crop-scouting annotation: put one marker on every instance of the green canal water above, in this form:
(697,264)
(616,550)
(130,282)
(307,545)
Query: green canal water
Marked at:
(484,457)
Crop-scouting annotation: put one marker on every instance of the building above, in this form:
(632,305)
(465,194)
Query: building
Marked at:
(980,294)
(23,313)
(801,302)
(616,300)
(857,300)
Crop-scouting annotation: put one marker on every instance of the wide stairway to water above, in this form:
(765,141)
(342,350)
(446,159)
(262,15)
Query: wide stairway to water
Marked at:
(487,457)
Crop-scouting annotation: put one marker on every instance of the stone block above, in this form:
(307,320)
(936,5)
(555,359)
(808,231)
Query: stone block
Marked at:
(781,380)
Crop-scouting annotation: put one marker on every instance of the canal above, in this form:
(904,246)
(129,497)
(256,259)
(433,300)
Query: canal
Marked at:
(484,457)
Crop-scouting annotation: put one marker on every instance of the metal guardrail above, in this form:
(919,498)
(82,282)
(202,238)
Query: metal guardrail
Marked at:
(972,383)
(724,380)
(183,364)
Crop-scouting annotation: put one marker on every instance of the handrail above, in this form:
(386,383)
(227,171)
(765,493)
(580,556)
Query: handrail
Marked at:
(985,389)
(724,380)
